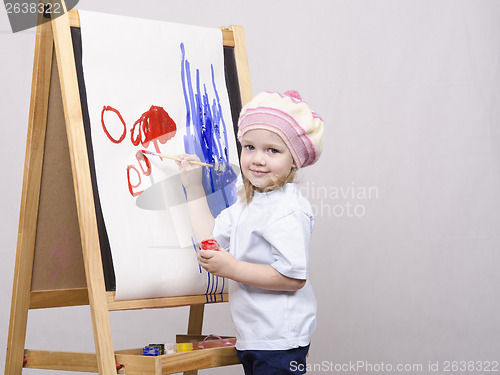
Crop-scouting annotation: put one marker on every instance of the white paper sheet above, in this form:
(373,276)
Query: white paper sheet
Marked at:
(131,65)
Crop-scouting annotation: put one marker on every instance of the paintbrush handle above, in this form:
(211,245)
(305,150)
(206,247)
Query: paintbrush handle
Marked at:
(177,159)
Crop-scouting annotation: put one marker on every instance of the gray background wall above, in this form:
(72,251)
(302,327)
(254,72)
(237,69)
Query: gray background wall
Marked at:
(405,254)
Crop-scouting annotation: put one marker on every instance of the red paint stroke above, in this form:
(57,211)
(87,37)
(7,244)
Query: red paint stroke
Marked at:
(122,137)
(130,186)
(153,126)
(141,157)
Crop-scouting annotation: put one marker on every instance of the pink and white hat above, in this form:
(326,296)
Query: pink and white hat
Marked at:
(288,116)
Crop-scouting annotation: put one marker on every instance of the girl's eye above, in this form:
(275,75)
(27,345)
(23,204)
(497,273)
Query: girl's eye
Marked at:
(273,151)
(249,147)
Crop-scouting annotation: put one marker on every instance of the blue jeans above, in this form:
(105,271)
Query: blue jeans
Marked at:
(274,362)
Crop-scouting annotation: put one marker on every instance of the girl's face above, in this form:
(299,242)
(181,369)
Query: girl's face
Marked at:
(264,158)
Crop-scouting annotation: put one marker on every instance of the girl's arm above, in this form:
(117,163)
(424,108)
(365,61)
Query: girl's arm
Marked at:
(221,263)
(202,220)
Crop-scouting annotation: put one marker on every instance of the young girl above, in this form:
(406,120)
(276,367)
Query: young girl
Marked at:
(264,236)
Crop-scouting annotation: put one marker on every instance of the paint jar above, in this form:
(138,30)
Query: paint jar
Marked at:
(209,244)
(170,348)
(184,347)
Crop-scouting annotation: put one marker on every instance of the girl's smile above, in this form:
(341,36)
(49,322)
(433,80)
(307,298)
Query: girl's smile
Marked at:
(258,173)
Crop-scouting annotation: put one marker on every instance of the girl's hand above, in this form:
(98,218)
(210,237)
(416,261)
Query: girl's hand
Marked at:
(190,173)
(219,263)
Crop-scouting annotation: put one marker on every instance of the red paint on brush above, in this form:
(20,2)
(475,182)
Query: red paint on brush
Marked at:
(210,244)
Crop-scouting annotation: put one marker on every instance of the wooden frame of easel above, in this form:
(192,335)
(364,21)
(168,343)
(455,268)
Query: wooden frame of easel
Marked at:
(49,76)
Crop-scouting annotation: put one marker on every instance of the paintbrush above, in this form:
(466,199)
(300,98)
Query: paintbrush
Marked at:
(175,158)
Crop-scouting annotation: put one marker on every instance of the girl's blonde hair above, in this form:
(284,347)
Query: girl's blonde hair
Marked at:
(246,192)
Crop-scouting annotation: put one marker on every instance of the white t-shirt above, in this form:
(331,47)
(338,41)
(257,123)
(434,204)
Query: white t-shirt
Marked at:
(274,228)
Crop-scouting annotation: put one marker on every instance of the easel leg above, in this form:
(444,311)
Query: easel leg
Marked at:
(29,200)
(83,193)
(195,326)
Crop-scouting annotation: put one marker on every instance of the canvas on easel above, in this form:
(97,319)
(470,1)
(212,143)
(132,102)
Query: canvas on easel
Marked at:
(52,220)
(156,87)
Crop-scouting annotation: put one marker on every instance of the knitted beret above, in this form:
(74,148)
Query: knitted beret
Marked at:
(288,116)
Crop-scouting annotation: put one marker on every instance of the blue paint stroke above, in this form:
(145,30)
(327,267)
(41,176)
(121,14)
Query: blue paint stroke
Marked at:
(207,292)
(223,286)
(215,298)
(212,287)
(206,136)
(195,252)
(216,284)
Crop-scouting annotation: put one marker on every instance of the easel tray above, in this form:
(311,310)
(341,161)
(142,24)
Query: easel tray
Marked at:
(133,362)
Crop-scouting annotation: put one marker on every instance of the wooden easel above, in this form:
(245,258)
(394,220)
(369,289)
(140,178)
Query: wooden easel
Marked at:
(56,113)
